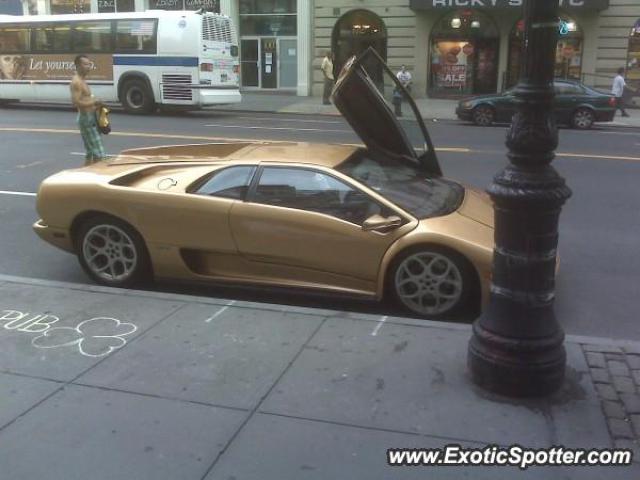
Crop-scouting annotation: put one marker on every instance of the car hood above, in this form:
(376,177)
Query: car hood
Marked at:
(360,102)
(477,206)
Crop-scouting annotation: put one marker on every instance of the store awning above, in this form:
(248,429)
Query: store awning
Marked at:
(575,5)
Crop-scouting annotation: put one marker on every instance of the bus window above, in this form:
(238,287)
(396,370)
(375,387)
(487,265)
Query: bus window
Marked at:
(14,39)
(135,36)
(51,39)
(92,37)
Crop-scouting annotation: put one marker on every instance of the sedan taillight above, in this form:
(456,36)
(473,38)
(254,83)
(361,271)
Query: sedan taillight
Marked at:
(612,101)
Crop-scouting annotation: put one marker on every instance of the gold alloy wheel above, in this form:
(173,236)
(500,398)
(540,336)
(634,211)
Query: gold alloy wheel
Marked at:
(429,283)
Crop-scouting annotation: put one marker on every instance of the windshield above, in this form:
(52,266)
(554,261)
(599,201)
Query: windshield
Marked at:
(405,184)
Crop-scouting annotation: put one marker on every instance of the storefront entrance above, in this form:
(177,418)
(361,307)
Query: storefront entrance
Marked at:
(354,33)
(464,55)
(269,62)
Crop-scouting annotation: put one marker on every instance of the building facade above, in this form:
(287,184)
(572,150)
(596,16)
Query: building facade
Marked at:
(452,48)
(462,47)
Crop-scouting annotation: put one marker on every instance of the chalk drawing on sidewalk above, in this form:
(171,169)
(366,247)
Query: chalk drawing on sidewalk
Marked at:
(95,337)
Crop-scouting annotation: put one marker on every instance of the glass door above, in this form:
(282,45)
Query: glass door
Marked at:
(287,49)
(269,63)
(249,62)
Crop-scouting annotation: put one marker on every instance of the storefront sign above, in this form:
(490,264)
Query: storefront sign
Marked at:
(52,67)
(502,4)
(452,76)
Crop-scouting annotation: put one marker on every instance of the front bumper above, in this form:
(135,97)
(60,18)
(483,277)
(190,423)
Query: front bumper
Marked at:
(463,113)
(57,237)
(217,96)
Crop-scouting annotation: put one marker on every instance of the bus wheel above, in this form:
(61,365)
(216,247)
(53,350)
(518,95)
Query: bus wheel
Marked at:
(136,97)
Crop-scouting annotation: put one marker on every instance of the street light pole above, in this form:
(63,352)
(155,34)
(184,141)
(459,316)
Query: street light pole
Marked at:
(517,345)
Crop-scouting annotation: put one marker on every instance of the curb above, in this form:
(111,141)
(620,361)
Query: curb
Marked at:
(577,339)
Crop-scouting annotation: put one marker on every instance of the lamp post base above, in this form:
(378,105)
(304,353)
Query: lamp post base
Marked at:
(516,367)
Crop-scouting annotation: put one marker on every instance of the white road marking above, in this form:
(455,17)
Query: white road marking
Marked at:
(218,125)
(24,194)
(32,164)
(208,320)
(380,323)
(295,120)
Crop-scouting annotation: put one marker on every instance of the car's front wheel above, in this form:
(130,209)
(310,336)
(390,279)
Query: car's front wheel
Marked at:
(112,253)
(433,282)
(483,115)
(583,119)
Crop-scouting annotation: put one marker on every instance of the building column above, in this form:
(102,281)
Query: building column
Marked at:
(230,9)
(140,5)
(303,18)
(44,7)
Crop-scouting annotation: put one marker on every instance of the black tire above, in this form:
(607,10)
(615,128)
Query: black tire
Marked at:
(400,286)
(483,115)
(124,256)
(583,119)
(137,97)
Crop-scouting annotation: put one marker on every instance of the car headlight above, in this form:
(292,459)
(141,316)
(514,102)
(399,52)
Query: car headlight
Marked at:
(466,104)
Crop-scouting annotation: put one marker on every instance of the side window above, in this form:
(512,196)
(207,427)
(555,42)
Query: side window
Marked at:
(231,182)
(136,36)
(314,191)
(92,37)
(567,89)
(51,39)
(14,39)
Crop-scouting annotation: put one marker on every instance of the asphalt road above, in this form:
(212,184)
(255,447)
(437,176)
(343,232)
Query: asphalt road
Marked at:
(597,289)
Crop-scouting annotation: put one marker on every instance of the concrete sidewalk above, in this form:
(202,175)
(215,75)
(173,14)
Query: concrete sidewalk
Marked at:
(430,108)
(119,384)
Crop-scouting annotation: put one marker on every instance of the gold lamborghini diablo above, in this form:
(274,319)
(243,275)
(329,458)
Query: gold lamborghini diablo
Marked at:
(367,221)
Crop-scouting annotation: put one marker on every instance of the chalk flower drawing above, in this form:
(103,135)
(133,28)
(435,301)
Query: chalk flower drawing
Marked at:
(95,337)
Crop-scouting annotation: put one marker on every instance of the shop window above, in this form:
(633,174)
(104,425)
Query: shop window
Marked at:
(354,33)
(568,51)
(59,7)
(464,54)
(111,6)
(208,5)
(268,17)
(633,59)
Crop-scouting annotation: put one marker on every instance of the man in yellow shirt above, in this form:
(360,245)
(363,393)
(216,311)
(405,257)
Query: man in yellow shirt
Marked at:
(327,73)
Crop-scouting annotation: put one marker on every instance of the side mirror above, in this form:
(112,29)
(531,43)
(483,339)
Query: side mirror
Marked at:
(378,223)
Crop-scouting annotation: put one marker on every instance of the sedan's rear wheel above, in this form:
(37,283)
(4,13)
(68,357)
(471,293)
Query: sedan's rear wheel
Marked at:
(432,282)
(483,115)
(583,119)
(112,253)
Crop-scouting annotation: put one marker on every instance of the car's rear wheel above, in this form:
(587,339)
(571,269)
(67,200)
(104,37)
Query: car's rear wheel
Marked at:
(483,115)
(112,253)
(583,119)
(433,282)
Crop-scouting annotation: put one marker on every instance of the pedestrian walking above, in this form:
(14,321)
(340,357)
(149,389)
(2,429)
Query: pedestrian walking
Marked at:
(405,79)
(327,74)
(87,105)
(617,90)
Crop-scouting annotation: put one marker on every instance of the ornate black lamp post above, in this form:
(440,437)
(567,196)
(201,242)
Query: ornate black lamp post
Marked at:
(517,345)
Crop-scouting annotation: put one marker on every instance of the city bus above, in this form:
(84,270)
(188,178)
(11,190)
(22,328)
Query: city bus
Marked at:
(142,60)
